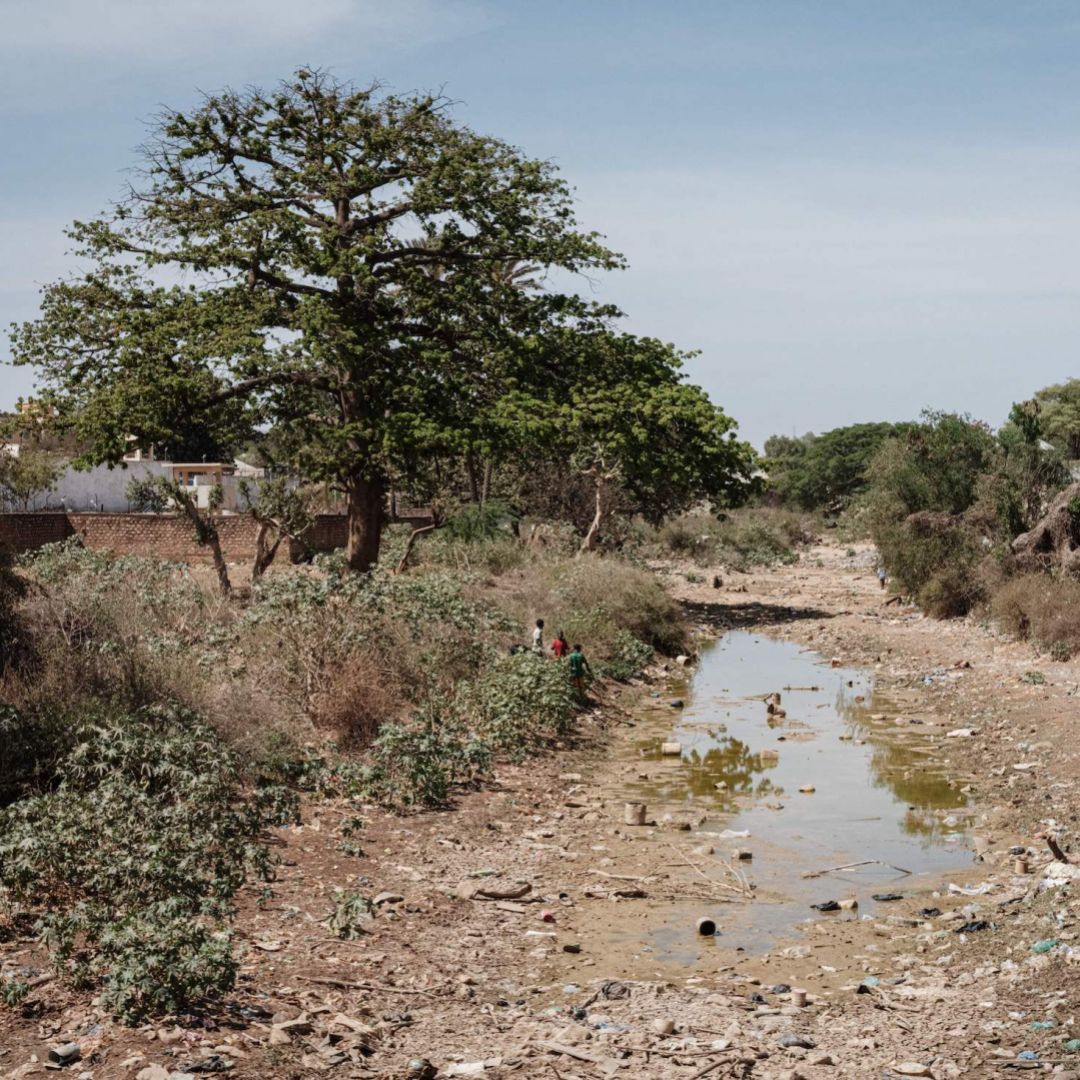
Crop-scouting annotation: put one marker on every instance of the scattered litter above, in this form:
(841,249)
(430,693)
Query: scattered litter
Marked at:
(971,890)
(1044,946)
(826,905)
(886,897)
(972,927)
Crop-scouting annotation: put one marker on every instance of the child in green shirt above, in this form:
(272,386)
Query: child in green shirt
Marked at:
(578,666)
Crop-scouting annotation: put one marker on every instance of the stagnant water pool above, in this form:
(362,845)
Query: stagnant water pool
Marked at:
(879,793)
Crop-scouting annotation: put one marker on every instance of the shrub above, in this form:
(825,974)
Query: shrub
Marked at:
(741,539)
(419,763)
(935,557)
(626,657)
(1042,609)
(131,857)
(521,702)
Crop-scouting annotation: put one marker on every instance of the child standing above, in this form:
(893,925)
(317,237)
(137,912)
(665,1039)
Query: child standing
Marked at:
(538,637)
(578,667)
(559,647)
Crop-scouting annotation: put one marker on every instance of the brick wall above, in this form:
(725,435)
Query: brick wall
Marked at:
(24,532)
(168,536)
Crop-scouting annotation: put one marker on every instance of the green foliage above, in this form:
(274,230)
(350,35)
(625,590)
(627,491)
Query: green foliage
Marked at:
(1059,418)
(30,473)
(419,764)
(933,466)
(626,657)
(617,408)
(131,856)
(948,493)
(519,703)
(740,540)
(351,911)
(482,522)
(826,471)
(348,290)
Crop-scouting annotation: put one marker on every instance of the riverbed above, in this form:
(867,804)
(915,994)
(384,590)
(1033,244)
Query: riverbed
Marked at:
(835,776)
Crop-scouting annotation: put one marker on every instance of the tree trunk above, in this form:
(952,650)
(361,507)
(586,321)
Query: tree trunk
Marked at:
(589,543)
(264,550)
(364,512)
(485,490)
(474,479)
(207,535)
(413,537)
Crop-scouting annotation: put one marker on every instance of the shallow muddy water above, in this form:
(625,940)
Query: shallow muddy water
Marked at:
(878,794)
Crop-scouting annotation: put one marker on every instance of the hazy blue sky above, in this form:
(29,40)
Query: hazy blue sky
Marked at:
(854,210)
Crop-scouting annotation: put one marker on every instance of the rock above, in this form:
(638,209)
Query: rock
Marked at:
(388,898)
(683,660)
(671,749)
(960,733)
(820,1060)
(420,1069)
(278,1037)
(152,1072)
(663,1027)
(472,1068)
(913,1068)
(677,703)
(793,1039)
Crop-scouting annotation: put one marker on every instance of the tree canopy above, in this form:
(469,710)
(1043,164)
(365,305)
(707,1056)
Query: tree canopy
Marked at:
(825,471)
(1059,416)
(319,258)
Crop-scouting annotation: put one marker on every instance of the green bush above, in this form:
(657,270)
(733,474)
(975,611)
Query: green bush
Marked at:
(418,764)
(626,657)
(521,702)
(131,856)
(740,540)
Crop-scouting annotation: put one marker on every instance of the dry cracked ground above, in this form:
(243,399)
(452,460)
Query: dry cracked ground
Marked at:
(507,938)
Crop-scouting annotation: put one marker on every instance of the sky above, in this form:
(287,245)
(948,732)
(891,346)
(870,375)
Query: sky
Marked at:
(851,211)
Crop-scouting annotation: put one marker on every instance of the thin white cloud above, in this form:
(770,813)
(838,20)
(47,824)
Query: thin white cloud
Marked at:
(150,30)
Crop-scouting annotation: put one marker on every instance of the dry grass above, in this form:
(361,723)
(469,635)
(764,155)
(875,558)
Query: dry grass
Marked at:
(355,699)
(1042,609)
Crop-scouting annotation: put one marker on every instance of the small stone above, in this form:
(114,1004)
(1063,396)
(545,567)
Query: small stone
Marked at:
(820,1060)
(913,1068)
(663,1027)
(388,898)
(152,1072)
(792,1039)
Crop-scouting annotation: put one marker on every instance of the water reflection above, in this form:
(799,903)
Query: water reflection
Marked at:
(877,793)
(828,722)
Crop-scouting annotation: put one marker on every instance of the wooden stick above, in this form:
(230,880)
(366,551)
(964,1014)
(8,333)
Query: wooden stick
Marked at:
(341,984)
(852,866)
(709,1068)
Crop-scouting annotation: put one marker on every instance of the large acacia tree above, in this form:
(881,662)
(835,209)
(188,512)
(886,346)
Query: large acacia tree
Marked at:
(318,258)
